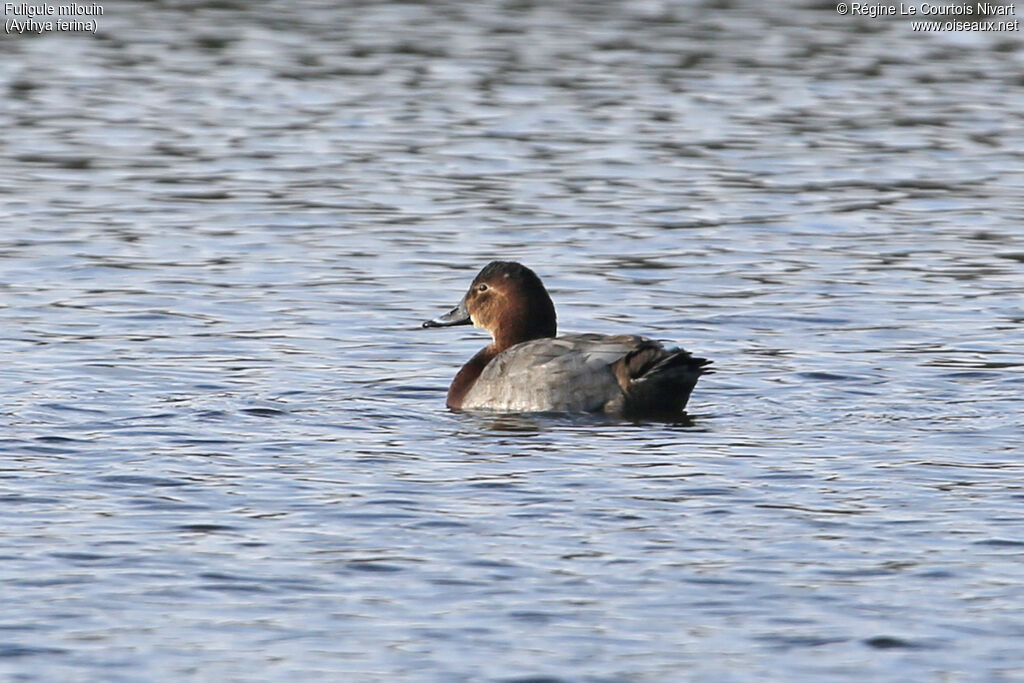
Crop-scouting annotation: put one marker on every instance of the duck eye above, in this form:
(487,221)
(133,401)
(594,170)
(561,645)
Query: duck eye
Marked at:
(481,287)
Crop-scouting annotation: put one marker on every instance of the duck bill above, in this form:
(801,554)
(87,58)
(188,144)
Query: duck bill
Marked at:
(457,316)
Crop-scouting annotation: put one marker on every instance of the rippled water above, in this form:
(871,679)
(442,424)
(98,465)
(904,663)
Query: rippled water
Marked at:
(226,454)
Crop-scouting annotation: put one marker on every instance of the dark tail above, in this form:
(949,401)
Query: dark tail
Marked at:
(657,381)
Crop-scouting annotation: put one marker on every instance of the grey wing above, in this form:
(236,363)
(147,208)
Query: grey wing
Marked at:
(570,373)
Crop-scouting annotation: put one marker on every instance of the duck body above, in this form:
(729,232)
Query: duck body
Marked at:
(529,369)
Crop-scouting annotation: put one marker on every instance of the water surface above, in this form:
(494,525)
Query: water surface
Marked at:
(225,449)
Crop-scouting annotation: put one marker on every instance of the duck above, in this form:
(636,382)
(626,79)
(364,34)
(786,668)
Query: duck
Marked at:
(527,368)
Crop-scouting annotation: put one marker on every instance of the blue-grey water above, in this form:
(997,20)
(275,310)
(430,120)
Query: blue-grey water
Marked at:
(225,452)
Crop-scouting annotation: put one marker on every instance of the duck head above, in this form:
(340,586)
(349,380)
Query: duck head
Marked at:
(509,301)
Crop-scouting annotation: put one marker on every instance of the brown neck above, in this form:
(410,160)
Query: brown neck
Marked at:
(522,322)
(468,374)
